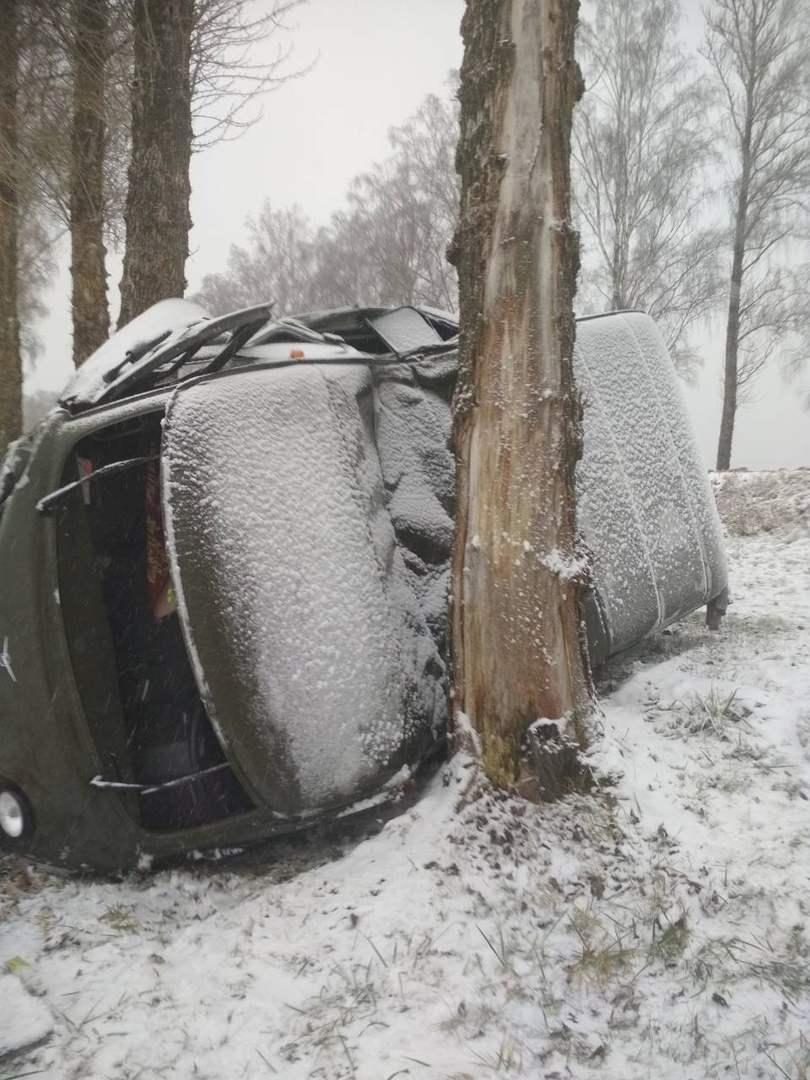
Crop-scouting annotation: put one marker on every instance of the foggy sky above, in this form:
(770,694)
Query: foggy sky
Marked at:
(373,61)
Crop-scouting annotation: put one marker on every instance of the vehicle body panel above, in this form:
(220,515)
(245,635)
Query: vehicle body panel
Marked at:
(309,515)
(308,642)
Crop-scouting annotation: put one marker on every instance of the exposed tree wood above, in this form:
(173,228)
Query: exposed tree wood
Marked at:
(10,361)
(91,317)
(157,214)
(517,579)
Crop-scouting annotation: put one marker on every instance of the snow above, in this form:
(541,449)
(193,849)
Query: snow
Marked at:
(656,928)
(412,427)
(174,316)
(645,506)
(26,1020)
(404,330)
(310,636)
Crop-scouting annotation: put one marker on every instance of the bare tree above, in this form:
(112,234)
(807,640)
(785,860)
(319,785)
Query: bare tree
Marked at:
(518,652)
(10,359)
(70,172)
(280,264)
(759,51)
(641,144)
(227,81)
(388,246)
(29,162)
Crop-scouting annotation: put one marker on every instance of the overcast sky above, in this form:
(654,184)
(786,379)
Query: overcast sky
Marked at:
(372,63)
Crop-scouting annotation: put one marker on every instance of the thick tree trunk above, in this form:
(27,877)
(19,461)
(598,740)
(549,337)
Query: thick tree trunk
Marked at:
(157,215)
(10,361)
(91,317)
(517,578)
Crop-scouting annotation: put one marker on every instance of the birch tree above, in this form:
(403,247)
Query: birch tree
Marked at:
(387,246)
(518,652)
(400,219)
(279,263)
(759,51)
(641,146)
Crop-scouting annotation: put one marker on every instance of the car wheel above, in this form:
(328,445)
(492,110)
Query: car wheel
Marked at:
(16,816)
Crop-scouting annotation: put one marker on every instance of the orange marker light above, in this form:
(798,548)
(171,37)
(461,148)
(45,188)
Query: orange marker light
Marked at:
(297,354)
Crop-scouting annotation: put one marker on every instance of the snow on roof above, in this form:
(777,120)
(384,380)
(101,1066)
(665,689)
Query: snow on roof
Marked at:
(166,317)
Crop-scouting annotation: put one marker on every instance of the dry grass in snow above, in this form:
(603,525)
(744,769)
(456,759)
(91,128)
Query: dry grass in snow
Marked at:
(655,930)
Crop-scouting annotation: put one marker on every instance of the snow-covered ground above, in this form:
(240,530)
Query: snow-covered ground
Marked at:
(655,930)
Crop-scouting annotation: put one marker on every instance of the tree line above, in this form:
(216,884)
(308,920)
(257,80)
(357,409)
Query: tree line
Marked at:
(690,176)
(387,245)
(102,103)
(690,181)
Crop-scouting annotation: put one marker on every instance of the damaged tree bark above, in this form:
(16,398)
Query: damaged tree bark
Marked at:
(518,579)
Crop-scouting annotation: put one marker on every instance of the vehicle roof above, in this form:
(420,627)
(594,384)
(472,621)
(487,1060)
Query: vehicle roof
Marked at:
(176,339)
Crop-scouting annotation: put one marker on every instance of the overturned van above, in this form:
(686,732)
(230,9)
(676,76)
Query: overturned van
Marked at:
(225,564)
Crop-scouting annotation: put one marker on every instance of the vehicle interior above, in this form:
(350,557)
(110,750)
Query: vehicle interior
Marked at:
(133,674)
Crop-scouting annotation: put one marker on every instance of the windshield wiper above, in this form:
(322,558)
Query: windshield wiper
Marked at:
(158,785)
(48,503)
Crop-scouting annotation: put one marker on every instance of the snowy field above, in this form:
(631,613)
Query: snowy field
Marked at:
(656,930)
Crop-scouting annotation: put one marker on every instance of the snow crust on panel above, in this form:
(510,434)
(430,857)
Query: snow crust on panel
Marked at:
(405,329)
(608,519)
(276,499)
(637,513)
(706,832)
(695,478)
(168,315)
(413,424)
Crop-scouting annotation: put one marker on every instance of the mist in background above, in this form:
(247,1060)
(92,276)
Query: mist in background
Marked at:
(366,66)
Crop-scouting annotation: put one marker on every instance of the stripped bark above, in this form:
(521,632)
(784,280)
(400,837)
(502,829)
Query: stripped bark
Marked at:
(91,316)
(517,579)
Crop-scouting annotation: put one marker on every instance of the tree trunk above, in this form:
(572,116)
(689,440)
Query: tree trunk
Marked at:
(91,316)
(730,364)
(729,413)
(517,577)
(10,360)
(157,215)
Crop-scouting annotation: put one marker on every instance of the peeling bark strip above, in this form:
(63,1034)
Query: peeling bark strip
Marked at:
(518,654)
(91,317)
(157,215)
(10,362)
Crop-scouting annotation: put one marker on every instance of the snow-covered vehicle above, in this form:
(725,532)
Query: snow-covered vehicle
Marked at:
(225,563)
